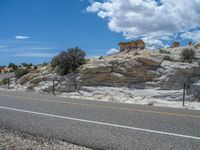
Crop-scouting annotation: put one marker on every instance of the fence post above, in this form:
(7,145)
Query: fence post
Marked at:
(8,83)
(184,94)
(53,86)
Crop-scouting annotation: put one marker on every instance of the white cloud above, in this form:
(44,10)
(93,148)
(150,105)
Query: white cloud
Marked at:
(193,35)
(148,18)
(112,51)
(36,55)
(154,43)
(19,37)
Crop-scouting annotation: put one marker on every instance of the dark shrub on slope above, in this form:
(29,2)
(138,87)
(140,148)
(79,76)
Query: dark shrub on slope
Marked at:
(68,61)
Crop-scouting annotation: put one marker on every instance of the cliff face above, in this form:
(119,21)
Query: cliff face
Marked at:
(133,45)
(139,69)
(122,69)
(143,69)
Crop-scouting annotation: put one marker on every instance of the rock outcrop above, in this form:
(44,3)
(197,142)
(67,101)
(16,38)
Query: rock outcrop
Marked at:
(174,74)
(43,81)
(133,45)
(139,69)
(142,69)
(123,69)
(175,44)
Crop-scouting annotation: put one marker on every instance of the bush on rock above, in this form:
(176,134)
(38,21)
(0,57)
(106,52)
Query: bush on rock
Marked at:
(68,61)
(21,72)
(188,54)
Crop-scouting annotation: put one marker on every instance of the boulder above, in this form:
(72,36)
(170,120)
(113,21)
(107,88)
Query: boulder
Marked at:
(172,75)
(194,89)
(150,61)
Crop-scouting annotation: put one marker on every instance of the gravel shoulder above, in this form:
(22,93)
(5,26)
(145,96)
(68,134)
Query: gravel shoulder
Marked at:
(17,141)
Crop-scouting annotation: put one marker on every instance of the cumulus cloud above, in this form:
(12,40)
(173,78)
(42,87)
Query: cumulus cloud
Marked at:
(193,35)
(112,51)
(153,43)
(19,37)
(157,20)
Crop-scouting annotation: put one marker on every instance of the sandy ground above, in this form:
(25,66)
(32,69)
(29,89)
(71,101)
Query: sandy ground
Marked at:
(155,97)
(166,98)
(18,141)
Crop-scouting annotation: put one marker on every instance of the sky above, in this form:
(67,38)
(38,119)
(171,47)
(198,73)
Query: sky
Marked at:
(33,31)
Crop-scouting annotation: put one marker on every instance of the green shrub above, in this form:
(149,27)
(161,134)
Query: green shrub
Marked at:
(101,57)
(188,54)
(45,64)
(24,64)
(21,72)
(162,51)
(4,81)
(13,66)
(68,61)
(166,57)
(28,66)
(35,67)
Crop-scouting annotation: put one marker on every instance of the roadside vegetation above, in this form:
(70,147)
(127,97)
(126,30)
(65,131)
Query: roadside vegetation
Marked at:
(188,54)
(21,72)
(162,51)
(68,61)
(4,81)
(101,57)
(13,66)
(18,70)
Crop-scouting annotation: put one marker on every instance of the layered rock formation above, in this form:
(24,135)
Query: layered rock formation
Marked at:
(138,69)
(133,45)
(122,69)
(43,81)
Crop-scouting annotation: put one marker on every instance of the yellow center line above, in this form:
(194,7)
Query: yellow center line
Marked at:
(107,107)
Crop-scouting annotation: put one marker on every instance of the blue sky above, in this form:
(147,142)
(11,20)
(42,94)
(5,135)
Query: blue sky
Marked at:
(49,26)
(33,31)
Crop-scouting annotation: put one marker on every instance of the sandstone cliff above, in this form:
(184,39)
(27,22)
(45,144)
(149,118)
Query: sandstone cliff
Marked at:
(140,69)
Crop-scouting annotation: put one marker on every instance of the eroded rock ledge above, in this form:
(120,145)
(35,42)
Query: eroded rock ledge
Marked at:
(140,69)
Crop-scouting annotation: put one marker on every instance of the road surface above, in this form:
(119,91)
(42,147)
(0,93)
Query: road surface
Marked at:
(6,75)
(101,125)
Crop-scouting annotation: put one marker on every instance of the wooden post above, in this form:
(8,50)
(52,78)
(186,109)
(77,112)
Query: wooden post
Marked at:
(184,94)
(53,87)
(8,83)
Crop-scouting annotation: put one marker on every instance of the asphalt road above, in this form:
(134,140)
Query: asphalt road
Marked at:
(6,75)
(101,125)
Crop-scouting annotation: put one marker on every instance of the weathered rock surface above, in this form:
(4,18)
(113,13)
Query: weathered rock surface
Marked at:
(118,70)
(174,74)
(43,82)
(167,98)
(139,69)
(132,45)
(194,90)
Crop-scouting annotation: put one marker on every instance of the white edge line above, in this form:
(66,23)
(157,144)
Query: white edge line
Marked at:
(102,123)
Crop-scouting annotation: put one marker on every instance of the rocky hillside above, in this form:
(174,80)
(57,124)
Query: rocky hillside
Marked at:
(138,69)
